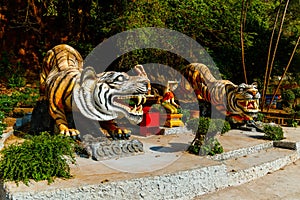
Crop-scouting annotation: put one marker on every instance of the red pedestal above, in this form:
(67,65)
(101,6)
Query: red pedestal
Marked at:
(150,122)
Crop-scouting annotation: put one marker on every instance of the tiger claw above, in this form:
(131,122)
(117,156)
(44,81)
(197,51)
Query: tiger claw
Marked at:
(68,132)
(120,134)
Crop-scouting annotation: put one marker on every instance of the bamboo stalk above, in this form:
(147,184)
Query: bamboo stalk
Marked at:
(265,87)
(243,20)
(286,68)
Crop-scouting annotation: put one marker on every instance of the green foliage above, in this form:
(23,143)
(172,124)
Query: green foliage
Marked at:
(260,117)
(222,126)
(296,91)
(214,24)
(185,115)
(14,73)
(193,124)
(211,147)
(297,107)
(204,125)
(288,95)
(2,124)
(24,98)
(273,132)
(201,126)
(16,81)
(41,157)
(292,123)
(6,103)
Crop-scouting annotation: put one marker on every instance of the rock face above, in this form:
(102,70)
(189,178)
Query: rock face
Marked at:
(101,148)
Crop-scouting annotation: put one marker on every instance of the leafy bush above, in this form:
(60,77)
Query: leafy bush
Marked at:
(16,81)
(296,92)
(2,124)
(288,95)
(193,124)
(210,147)
(292,123)
(260,117)
(185,115)
(201,126)
(41,157)
(205,124)
(24,98)
(222,126)
(273,132)
(297,107)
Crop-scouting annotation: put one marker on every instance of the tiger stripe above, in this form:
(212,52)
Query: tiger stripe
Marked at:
(223,94)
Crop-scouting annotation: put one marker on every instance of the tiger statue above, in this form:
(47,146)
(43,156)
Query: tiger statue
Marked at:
(238,102)
(99,97)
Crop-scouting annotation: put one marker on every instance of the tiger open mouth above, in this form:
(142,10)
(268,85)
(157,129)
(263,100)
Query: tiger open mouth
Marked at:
(250,105)
(130,103)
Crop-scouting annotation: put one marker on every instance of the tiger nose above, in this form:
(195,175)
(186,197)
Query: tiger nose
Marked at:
(253,93)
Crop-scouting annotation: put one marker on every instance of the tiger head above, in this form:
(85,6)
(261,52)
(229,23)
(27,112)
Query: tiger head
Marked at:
(110,95)
(243,99)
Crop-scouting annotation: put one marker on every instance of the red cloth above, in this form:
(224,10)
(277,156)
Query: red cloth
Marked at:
(168,96)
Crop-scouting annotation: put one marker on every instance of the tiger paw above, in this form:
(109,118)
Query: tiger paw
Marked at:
(120,134)
(64,130)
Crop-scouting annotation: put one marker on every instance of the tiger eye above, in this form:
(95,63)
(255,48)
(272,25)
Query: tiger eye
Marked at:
(120,78)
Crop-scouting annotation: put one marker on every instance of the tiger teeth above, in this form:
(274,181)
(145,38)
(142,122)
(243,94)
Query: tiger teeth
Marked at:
(139,100)
(133,109)
(144,99)
(140,110)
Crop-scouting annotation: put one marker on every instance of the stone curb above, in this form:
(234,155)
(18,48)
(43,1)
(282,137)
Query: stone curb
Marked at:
(178,185)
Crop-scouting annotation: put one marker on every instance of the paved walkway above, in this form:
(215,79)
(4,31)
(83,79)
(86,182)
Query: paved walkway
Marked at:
(282,184)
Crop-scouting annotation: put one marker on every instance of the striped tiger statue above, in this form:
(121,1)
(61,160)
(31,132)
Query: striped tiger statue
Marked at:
(239,102)
(99,97)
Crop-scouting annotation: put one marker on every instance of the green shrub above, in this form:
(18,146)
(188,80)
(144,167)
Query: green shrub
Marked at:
(25,98)
(221,125)
(192,124)
(288,95)
(185,115)
(210,147)
(260,117)
(2,124)
(16,81)
(41,157)
(205,124)
(292,123)
(296,92)
(297,107)
(273,132)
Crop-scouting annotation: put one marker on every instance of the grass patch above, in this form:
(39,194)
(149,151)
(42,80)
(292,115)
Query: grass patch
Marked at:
(2,124)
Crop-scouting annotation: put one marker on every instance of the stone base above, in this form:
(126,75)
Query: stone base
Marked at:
(175,130)
(102,148)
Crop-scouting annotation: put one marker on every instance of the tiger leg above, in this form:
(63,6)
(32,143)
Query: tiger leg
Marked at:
(62,124)
(114,131)
(57,112)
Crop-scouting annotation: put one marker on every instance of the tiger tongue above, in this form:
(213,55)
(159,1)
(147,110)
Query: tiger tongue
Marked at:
(250,105)
(138,109)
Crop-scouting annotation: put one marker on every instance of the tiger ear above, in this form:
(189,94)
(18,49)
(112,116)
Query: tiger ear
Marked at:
(230,87)
(255,84)
(88,73)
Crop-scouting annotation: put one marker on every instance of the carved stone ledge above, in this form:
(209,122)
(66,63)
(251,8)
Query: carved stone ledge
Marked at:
(102,148)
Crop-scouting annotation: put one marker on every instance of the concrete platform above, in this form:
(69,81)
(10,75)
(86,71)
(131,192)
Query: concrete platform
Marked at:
(166,171)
